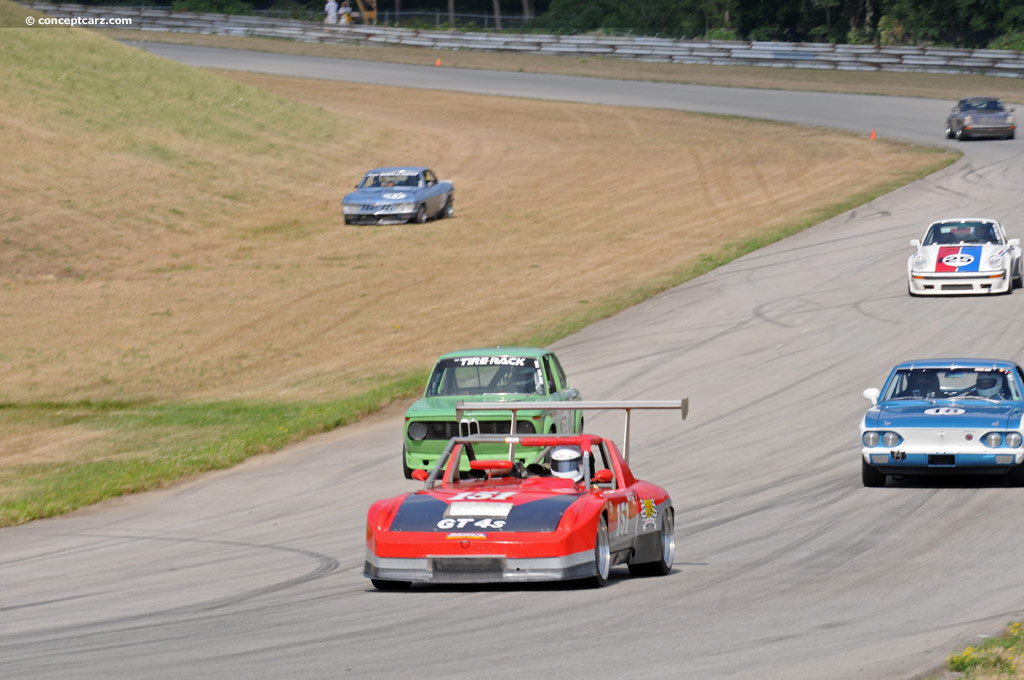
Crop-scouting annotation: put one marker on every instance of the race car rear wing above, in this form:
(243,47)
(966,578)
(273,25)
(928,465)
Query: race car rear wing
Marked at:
(683,406)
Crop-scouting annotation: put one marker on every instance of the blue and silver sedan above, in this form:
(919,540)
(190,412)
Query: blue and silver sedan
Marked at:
(398,195)
(945,416)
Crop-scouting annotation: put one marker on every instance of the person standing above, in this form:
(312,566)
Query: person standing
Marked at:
(332,12)
(346,13)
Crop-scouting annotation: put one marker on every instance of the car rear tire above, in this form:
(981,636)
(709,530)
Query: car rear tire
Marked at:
(602,555)
(870,476)
(421,215)
(662,567)
(381,584)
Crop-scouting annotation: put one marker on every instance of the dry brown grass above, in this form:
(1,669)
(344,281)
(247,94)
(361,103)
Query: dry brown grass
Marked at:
(558,206)
(932,85)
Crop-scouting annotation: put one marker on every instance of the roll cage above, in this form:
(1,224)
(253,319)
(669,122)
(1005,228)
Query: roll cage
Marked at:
(450,471)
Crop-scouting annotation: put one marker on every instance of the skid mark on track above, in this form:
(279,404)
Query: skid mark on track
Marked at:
(325,565)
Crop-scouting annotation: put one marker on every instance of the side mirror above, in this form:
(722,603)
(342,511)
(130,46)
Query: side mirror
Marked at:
(871,394)
(355,186)
(573,393)
(1013,242)
(603,476)
(420,475)
(915,242)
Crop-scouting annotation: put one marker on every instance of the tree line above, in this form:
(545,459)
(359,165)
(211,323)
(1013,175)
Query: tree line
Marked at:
(956,23)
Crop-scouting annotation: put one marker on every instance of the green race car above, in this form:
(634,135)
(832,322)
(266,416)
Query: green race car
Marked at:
(491,374)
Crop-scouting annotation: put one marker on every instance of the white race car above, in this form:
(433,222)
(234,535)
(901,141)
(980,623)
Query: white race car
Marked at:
(962,257)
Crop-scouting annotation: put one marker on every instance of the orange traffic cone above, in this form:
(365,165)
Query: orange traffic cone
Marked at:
(438,63)
(872,132)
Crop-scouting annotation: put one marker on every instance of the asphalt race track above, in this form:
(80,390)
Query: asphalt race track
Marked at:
(786,567)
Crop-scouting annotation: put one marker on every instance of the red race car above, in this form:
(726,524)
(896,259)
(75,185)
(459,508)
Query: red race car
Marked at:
(560,507)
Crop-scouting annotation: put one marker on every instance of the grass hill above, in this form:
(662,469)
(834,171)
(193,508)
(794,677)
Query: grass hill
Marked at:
(178,291)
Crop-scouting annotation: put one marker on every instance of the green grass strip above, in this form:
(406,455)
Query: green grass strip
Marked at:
(149,445)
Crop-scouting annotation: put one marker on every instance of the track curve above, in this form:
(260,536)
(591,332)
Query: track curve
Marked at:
(786,566)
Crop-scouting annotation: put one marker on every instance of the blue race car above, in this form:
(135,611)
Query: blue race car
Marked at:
(945,416)
(398,195)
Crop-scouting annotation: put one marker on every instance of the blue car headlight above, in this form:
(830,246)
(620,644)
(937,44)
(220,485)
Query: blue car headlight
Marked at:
(1013,439)
(993,439)
(349,208)
(405,207)
(889,439)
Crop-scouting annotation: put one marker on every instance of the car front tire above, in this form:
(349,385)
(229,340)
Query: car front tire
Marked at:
(1015,477)
(405,466)
(870,476)
(448,211)
(949,130)
(602,555)
(421,215)
(663,566)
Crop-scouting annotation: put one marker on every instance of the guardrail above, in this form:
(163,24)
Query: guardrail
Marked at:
(715,52)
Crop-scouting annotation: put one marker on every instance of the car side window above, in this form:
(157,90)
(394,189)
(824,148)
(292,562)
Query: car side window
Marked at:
(429,177)
(549,375)
(559,372)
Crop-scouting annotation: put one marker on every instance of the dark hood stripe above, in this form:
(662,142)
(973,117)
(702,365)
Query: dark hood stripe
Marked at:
(422,512)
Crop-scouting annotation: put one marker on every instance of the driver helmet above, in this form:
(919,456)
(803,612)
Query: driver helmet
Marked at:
(567,463)
(988,384)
